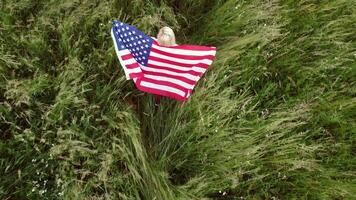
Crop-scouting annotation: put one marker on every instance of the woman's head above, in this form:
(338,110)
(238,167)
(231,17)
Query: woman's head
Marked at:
(166,36)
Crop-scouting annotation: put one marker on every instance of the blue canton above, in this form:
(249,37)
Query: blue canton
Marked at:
(128,37)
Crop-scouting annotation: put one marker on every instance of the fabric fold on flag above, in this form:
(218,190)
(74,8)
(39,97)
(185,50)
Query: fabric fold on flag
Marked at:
(171,71)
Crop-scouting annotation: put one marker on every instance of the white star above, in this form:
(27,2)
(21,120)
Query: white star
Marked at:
(145,51)
(144,41)
(139,58)
(146,46)
(139,42)
(133,32)
(123,29)
(135,43)
(121,23)
(137,48)
(141,47)
(122,46)
(140,36)
(116,25)
(125,34)
(127,28)
(140,53)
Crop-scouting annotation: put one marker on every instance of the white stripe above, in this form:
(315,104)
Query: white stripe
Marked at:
(130,61)
(185,75)
(185,52)
(197,69)
(185,61)
(134,70)
(163,87)
(171,80)
(124,52)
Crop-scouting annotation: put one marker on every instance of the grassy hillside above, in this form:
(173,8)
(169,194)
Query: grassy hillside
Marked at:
(274,117)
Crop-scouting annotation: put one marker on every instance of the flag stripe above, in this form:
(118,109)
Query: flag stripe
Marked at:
(181,78)
(170,61)
(188,57)
(130,61)
(133,65)
(134,70)
(171,80)
(126,57)
(185,75)
(176,67)
(181,60)
(184,51)
(162,87)
(135,75)
(190,71)
(165,83)
(178,64)
(125,52)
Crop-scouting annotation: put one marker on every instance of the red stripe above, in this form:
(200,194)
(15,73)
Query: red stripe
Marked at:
(126,57)
(137,74)
(194,73)
(132,66)
(165,83)
(170,76)
(188,57)
(202,65)
(159,92)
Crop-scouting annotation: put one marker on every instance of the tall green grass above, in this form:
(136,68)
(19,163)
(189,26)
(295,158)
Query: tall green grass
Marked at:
(273,117)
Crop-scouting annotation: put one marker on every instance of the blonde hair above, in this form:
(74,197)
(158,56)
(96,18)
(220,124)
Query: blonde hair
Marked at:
(166,37)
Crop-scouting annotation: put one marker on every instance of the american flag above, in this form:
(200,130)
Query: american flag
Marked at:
(170,71)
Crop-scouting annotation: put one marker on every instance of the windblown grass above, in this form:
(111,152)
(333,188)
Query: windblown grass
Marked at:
(273,118)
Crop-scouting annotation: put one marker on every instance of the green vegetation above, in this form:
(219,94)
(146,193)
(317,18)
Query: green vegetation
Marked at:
(273,118)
